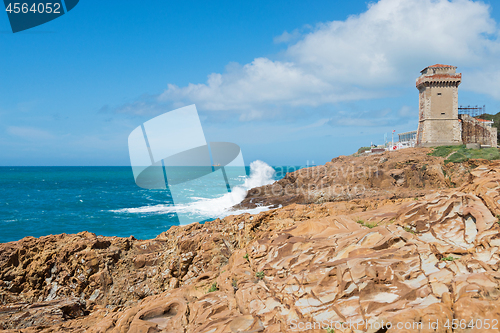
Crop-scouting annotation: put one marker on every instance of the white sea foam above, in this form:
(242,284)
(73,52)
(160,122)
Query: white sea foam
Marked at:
(260,174)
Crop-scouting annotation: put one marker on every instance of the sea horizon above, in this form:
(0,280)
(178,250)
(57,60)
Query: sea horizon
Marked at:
(43,200)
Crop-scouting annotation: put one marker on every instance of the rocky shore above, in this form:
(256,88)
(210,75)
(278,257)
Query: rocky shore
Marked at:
(417,241)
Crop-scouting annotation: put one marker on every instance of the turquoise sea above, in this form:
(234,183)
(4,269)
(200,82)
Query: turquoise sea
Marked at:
(38,201)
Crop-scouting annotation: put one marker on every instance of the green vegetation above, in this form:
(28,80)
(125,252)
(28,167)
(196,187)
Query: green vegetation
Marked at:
(235,284)
(448,258)
(260,275)
(330,330)
(458,154)
(408,229)
(213,287)
(496,121)
(363,149)
(366,224)
(444,151)
(246,257)
(498,217)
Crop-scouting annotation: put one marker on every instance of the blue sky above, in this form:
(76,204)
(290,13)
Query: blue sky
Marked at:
(289,81)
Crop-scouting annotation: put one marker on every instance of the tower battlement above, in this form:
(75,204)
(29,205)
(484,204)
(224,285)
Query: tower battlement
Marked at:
(439,69)
(439,75)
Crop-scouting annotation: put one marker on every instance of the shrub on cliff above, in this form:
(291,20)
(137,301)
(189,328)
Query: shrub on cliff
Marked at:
(363,149)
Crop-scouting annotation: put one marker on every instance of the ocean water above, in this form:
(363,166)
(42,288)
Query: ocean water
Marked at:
(38,201)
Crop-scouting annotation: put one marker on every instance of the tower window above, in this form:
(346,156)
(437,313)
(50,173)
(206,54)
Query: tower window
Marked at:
(439,94)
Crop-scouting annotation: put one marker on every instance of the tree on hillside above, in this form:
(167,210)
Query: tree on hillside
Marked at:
(496,121)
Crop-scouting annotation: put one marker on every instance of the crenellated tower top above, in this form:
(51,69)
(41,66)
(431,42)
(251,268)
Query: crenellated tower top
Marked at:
(439,75)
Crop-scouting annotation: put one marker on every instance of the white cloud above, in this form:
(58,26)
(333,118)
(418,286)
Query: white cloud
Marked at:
(261,81)
(255,86)
(29,133)
(394,39)
(485,81)
(370,118)
(407,111)
(286,37)
(358,58)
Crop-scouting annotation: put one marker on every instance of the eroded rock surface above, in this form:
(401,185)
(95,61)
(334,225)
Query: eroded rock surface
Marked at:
(409,260)
(407,173)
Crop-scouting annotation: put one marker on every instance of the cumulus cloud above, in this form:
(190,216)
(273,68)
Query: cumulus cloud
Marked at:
(362,57)
(260,83)
(394,39)
(485,81)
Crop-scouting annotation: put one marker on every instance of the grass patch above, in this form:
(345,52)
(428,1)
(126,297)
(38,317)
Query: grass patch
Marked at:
(459,154)
(448,258)
(213,287)
(443,151)
(366,224)
(260,275)
(246,257)
(330,330)
(408,229)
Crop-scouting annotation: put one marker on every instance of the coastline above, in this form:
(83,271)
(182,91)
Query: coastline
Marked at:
(402,251)
(102,200)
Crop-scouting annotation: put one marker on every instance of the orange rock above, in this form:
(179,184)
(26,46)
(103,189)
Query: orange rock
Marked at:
(364,262)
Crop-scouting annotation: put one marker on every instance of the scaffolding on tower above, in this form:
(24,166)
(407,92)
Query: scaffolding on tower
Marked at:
(472,111)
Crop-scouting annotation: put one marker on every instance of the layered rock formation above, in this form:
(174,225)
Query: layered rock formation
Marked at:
(426,262)
(407,173)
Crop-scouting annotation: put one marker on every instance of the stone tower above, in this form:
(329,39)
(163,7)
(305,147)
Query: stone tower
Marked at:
(438,106)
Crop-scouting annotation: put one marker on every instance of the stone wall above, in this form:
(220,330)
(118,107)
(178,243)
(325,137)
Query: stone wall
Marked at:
(474,131)
(440,132)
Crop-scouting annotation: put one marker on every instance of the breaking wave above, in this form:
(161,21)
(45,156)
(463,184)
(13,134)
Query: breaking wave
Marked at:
(260,174)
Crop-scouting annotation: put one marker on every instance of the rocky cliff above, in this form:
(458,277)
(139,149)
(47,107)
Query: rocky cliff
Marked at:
(406,173)
(418,261)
